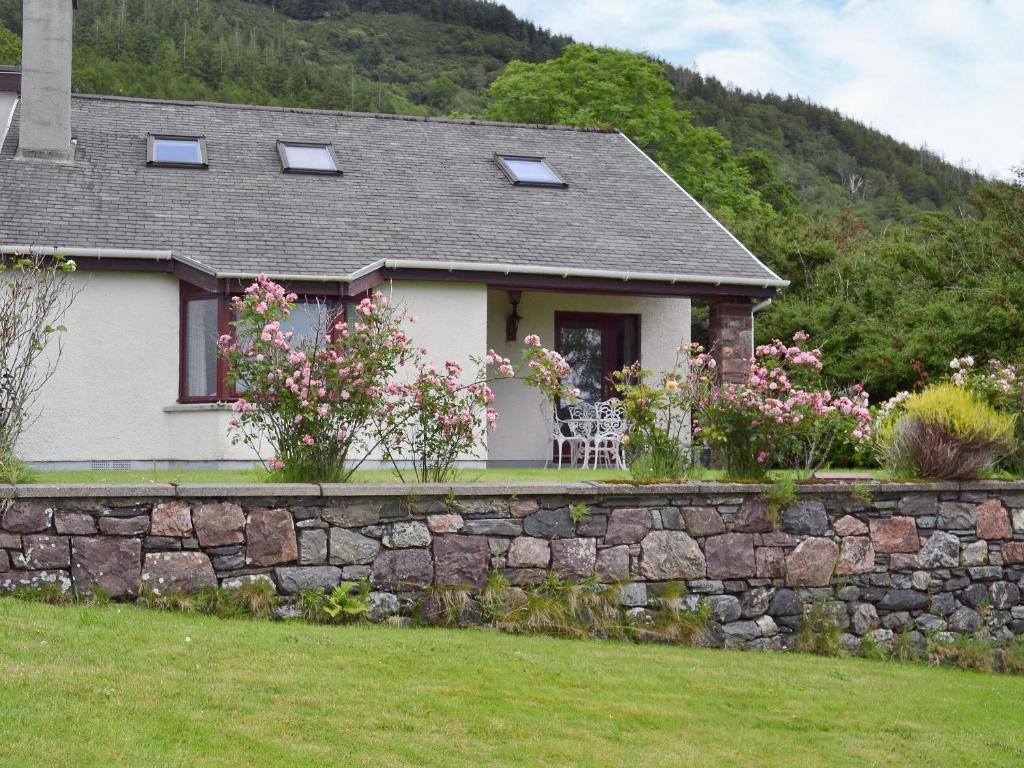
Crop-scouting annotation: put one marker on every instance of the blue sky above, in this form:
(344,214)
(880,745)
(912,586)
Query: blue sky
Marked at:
(946,73)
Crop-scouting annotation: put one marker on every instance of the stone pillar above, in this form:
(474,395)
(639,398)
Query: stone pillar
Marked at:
(731,330)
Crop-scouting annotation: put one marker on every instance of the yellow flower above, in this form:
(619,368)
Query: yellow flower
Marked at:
(671,385)
(625,439)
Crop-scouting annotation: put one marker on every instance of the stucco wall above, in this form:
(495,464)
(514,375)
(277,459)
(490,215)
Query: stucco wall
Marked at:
(522,433)
(117,374)
(8,100)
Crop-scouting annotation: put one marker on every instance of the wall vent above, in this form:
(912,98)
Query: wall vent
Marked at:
(110,466)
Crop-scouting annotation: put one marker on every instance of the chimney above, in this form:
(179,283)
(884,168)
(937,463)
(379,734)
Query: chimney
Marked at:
(45,128)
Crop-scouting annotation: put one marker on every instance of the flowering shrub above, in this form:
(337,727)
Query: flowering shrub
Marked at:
(315,400)
(945,432)
(781,415)
(658,413)
(325,402)
(438,417)
(999,385)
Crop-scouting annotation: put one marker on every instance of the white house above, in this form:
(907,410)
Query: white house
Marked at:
(171,207)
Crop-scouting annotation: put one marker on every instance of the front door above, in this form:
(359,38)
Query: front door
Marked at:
(596,345)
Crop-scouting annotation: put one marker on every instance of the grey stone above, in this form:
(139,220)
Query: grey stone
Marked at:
(985,573)
(883,637)
(904,600)
(381,605)
(493,527)
(574,559)
(864,618)
(975,553)
(113,565)
(941,550)
(461,560)
(848,593)
(920,580)
(312,546)
(168,572)
(633,595)
(349,548)
(850,643)
(955,516)
(498,545)
(856,555)
(593,526)
(43,552)
(766,624)
(408,534)
(165,543)
(529,552)
(33,579)
(227,558)
(754,602)
(550,524)
(896,621)
(76,523)
(965,620)
(926,622)
(671,555)
(353,515)
(404,569)
(1004,595)
(808,518)
(285,612)
(916,504)
(237,582)
(706,586)
(628,526)
(613,563)
(785,602)
(741,631)
(295,579)
(356,572)
(724,608)
(1018,520)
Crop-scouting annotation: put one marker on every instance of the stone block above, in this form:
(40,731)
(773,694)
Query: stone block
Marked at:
(172,518)
(753,517)
(125,526)
(219,524)
(312,546)
(270,538)
(520,508)
(531,552)
(574,559)
(461,560)
(856,555)
(11,580)
(350,548)
(628,526)
(941,550)
(353,514)
(76,523)
(405,535)
(43,552)
(992,521)
(493,527)
(27,517)
(1013,552)
(613,564)
(294,579)
(671,555)
(956,516)
(404,569)
(550,524)
(730,556)
(975,553)
(167,572)
(701,521)
(770,562)
(894,534)
(112,564)
(812,563)
(445,523)
(808,518)
(848,525)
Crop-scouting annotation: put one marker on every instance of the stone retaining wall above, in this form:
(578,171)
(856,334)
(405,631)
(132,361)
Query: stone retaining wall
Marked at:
(930,558)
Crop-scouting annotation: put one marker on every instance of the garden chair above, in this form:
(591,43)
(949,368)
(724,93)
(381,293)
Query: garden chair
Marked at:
(606,441)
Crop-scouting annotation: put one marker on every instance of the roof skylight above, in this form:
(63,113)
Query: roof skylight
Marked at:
(307,157)
(529,171)
(180,151)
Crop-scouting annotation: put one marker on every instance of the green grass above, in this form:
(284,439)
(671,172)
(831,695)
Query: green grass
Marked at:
(375,476)
(119,685)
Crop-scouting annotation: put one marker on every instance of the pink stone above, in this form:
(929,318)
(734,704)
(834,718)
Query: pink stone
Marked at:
(850,526)
(168,572)
(1013,552)
(628,526)
(730,556)
(856,555)
(895,534)
(172,518)
(270,538)
(753,517)
(219,524)
(523,507)
(902,562)
(450,523)
(993,522)
(770,562)
(812,563)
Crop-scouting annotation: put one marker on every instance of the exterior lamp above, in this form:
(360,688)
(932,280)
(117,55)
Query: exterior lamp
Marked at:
(512,322)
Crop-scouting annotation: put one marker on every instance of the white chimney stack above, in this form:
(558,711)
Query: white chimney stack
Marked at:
(45,128)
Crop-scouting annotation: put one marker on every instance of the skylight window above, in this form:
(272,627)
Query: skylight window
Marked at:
(179,151)
(306,157)
(529,171)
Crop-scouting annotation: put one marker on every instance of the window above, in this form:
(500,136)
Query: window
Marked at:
(206,316)
(177,151)
(596,345)
(529,171)
(304,157)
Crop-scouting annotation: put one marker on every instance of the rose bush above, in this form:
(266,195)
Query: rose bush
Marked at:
(781,415)
(324,403)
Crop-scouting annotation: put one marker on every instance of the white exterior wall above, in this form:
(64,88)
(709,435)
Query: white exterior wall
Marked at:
(8,100)
(524,414)
(117,375)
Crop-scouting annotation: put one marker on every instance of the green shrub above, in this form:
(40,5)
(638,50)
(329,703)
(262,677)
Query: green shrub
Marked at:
(944,432)
(818,632)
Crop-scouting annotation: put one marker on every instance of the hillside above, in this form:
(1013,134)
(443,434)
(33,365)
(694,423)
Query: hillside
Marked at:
(438,57)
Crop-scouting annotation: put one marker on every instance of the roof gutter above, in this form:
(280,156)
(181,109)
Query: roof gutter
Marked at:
(93,253)
(519,269)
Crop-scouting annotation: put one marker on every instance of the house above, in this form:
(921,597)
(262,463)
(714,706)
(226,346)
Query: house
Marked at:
(170,207)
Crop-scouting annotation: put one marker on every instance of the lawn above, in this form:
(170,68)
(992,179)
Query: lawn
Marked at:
(119,685)
(373,476)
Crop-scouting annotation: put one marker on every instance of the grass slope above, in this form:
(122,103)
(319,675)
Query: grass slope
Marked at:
(91,686)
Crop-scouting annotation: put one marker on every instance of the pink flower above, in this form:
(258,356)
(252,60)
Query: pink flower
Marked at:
(309,440)
(533,340)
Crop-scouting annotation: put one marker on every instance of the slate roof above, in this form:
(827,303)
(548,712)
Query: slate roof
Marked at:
(412,188)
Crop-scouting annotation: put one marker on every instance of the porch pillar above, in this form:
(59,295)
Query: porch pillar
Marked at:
(731,331)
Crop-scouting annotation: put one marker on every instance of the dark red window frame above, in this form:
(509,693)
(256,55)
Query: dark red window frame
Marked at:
(608,321)
(336,305)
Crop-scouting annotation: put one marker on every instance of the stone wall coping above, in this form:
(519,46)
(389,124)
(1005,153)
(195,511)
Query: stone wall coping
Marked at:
(589,489)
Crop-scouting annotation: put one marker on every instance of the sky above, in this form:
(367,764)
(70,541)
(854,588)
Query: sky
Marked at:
(946,73)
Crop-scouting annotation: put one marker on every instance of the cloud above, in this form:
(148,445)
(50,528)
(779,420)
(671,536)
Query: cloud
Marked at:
(946,73)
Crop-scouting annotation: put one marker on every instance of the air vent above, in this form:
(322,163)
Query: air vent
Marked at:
(110,466)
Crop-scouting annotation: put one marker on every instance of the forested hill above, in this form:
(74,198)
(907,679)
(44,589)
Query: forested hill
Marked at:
(438,57)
